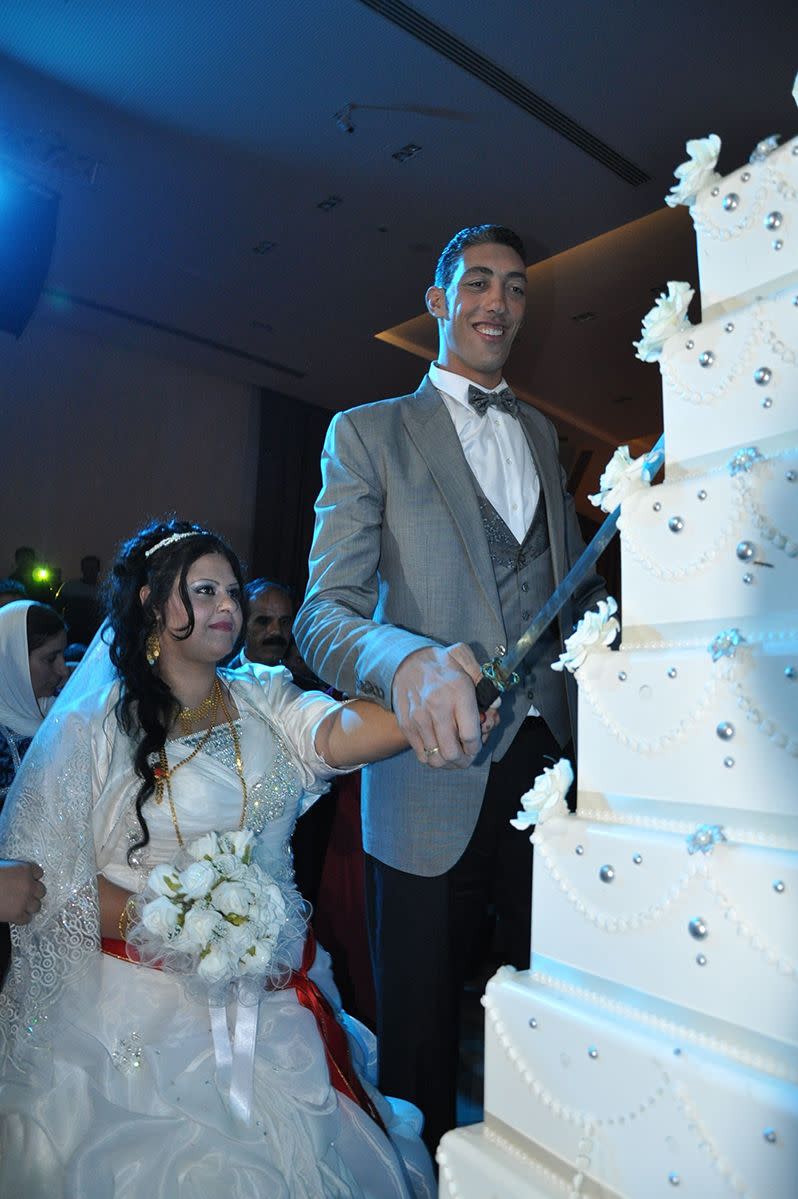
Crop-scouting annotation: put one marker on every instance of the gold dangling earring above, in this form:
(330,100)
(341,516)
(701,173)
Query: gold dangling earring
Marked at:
(153,648)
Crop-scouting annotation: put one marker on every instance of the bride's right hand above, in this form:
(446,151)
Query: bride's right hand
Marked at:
(21,891)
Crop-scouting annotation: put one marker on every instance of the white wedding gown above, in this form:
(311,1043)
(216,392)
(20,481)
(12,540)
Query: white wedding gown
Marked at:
(121,1095)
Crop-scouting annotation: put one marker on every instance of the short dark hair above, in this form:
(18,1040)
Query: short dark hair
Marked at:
(13,587)
(474,235)
(256,587)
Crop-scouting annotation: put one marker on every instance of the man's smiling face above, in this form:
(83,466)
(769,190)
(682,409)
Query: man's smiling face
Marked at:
(480,312)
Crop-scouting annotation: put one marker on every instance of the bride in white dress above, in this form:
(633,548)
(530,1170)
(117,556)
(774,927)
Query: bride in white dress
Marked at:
(124,1079)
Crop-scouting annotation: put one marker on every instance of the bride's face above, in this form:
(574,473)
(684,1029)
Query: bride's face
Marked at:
(216,601)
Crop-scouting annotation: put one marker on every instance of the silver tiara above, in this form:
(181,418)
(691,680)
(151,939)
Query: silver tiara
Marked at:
(160,545)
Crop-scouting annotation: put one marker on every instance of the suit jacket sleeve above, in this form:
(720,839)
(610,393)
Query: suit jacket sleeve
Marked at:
(334,629)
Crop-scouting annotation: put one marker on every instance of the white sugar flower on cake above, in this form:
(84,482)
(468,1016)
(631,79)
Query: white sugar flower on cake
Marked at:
(622,477)
(697,172)
(595,629)
(547,796)
(667,318)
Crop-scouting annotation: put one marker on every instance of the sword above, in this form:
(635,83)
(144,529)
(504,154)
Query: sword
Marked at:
(500,674)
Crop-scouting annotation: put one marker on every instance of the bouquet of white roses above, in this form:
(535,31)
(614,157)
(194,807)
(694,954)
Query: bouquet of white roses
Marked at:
(219,916)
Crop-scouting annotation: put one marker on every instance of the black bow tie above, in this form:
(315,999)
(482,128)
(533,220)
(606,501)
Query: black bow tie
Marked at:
(481,400)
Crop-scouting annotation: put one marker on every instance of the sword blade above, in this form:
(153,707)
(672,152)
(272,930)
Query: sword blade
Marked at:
(487,691)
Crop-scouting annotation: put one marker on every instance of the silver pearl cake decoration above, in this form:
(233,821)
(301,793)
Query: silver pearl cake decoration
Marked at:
(770,1136)
(688,345)
(745,550)
(763,375)
(777,243)
(607,873)
(533,1022)
(672,672)
(701,959)
(637,858)
(592,1052)
(656,506)
(706,358)
(728,763)
(697,929)
(767,402)
(773,220)
(731,201)
(580,849)
(725,730)
(791,476)
(715,191)
(746,175)
(748,578)
(674,1179)
(702,495)
(622,675)
(728,327)
(675,524)
(790,672)
(779,886)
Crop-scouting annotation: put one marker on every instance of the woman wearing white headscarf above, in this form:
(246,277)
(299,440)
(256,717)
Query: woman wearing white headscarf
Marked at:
(32,643)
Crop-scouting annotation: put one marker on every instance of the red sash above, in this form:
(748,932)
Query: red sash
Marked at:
(333,1036)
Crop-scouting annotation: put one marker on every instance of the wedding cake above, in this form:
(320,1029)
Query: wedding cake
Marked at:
(652,1048)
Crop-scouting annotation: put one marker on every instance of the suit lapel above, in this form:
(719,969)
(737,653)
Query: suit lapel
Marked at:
(548,470)
(430,428)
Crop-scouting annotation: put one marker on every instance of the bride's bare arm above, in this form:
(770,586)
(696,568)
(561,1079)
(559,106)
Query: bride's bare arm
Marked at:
(112,907)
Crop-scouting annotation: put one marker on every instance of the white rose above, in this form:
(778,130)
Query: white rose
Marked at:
(622,477)
(547,796)
(164,880)
(216,964)
(197,879)
(240,843)
(201,926)
(697,172)
(270,907)
(161,917)
(228,866)
(256,959)
(204,847)
(599,627)
(231,899)
(667,318)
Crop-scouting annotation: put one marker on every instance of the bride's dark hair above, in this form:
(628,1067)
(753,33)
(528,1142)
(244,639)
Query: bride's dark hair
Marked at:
(146,707)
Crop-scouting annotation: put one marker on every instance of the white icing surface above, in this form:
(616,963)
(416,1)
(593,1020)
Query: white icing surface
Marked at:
(654,736)
(709,409)
(736,253)
(607,928)
(635,1112)
(695,574)
(478,1163)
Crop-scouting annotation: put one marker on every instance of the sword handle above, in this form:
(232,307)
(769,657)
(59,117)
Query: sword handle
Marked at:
(487,692)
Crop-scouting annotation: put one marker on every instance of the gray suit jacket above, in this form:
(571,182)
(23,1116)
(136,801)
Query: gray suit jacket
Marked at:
(400,561)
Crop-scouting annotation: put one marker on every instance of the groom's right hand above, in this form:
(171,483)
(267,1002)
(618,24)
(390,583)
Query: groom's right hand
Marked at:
(435,703)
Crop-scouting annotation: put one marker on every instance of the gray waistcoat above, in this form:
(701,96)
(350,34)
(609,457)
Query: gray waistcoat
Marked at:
(525,580)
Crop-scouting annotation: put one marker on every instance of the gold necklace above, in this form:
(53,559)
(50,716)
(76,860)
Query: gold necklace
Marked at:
(163,772)
(189,716)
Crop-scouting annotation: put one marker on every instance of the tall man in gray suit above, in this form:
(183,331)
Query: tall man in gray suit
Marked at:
(442,526)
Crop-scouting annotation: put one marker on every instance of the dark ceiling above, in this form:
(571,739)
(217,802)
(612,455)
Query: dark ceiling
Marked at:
(215,207)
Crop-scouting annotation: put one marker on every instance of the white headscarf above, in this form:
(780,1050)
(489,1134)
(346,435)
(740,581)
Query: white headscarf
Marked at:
(20,711)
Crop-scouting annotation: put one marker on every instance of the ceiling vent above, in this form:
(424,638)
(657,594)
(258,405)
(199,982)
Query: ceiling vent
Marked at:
(492,75)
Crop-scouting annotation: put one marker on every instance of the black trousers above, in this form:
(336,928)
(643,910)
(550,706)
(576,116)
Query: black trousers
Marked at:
(427,935)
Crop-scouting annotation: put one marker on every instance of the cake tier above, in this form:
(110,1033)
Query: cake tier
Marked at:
(731,382)
(720,546)
(747,230)
(486,1161)
(633,1109)
(700,739)
(636,907)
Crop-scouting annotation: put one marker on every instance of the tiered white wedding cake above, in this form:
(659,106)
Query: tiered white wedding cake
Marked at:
(652,1049)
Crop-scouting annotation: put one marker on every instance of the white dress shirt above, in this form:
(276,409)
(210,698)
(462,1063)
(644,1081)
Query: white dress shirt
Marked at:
(496,449)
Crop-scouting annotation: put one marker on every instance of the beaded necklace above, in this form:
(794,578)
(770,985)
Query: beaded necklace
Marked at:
(163,771)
